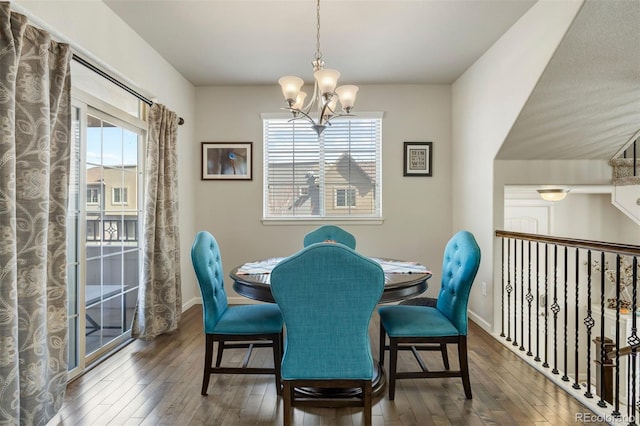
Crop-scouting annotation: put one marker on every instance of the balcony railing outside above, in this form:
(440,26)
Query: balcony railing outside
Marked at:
(570,307)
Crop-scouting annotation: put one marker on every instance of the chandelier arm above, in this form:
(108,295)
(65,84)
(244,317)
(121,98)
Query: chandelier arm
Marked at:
(338,115)
(312,101)
(298,111)
(324,118)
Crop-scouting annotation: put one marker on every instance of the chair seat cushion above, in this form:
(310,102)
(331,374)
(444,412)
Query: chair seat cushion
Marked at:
(415,321)
(249,319)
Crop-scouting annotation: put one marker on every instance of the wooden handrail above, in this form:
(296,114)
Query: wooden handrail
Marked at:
(628,249)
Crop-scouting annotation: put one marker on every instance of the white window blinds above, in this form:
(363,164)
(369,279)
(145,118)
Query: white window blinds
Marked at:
(304,174)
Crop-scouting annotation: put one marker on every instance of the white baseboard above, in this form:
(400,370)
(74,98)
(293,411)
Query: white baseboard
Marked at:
(194,301)
(480,321)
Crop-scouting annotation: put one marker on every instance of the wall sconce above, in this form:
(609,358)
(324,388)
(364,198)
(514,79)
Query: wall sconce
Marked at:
(553,194)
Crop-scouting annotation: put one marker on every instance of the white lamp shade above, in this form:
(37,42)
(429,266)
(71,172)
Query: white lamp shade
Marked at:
(553,194)
(327,80)
(347,96)
(299,100)
(291,86)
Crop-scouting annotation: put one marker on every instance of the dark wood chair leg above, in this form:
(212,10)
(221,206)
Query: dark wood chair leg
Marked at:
(220,349)
(393,364)
(445,355)
(383,333)
(208,359)
(367,397)
(287,402)
(277,360)
(464,366)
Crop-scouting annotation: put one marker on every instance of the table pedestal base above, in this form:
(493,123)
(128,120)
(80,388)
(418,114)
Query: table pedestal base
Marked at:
(378,385)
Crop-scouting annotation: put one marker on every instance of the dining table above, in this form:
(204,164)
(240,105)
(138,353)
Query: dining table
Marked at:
(403,280)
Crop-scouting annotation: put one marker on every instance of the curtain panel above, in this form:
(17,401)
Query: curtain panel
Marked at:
(34,169)
(159,304)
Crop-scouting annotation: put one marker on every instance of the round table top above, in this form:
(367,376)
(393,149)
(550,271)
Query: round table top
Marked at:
(397,286)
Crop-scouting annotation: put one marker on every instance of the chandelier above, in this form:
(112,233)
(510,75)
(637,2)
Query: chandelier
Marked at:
(325,94)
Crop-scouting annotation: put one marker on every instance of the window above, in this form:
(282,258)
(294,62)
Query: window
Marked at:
(93,196)
(119,196)
(334,175)
(345,198)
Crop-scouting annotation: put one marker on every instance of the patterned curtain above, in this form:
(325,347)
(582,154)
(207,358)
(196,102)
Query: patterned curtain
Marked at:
(159,304)
(34,168)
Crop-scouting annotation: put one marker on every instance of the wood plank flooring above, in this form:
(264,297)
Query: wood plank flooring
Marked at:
(158,383)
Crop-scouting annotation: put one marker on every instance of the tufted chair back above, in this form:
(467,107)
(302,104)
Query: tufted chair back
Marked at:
(459,267)
(330,233)
(205,255)
(327,294)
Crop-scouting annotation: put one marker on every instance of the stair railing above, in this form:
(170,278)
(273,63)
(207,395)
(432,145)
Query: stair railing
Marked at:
(570,307)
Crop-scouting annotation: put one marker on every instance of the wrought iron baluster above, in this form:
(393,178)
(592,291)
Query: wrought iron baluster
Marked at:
(565,378)
(529,297)
(576,385)
(537,358)
(589,323)
(502,290)
(555,308)
(546,301)
(509,289)
(603,353)
(515,293)
(515,296)
(635,167)
(634,342)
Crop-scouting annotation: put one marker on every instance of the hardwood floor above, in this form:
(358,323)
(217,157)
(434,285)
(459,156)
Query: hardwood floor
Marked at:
(154,383)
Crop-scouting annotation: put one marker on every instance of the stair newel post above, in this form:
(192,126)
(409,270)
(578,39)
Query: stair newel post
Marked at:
(616,411)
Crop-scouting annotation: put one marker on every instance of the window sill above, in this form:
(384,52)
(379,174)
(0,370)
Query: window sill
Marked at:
(323,221)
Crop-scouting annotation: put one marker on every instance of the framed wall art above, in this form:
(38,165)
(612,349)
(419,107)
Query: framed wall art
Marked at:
(418,158)
(227,160)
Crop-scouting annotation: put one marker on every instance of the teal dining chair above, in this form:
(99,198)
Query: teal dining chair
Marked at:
(429,328)
(330,233)
(327,294)
(246,326)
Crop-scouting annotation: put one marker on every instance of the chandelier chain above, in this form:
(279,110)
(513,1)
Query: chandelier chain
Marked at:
(318,53)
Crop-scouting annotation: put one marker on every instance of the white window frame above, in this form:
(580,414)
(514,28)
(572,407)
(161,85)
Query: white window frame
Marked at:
(123,191)
(375,217)
(97,193)
(349,196)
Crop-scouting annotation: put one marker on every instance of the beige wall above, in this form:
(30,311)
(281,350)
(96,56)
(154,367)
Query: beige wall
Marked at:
(598,220)
(416,210)
(97,33)
(486,101)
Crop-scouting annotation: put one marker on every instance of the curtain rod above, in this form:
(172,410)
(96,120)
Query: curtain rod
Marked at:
(118,83)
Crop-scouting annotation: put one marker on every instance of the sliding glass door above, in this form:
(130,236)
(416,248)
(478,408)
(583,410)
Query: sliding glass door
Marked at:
(105,228)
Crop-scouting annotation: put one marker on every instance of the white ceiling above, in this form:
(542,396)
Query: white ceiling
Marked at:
(586,105)
(230,42)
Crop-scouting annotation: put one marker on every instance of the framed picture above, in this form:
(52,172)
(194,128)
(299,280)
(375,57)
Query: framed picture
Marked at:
(227,160)
(417,158)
